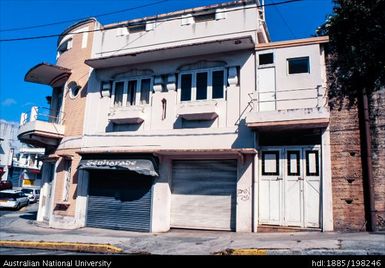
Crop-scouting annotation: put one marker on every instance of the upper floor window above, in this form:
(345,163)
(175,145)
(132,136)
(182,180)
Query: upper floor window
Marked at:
(204,17)
(135,91)
(266,58)
(136,28)
(202,85)
(66,45)
(298,65)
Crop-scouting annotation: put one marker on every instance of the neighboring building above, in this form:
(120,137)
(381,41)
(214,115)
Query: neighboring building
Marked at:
(191,119)
(26,167)
(9,145)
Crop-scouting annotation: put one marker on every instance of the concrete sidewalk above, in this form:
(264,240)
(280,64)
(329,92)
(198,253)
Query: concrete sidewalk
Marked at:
(16,227)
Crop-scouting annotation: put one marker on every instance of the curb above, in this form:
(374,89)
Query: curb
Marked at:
(68,246)
(287,251)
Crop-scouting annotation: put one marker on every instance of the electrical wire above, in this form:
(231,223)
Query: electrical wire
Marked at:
(284,21)
(80,19)
(121,25)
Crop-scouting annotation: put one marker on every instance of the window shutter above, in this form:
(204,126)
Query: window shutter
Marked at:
(187,19)
(220,14)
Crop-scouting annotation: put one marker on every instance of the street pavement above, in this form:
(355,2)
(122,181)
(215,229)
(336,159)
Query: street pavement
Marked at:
(21,225)
(28,251)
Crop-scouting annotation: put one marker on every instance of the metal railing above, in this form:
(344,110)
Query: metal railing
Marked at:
(315,95)
(42,114)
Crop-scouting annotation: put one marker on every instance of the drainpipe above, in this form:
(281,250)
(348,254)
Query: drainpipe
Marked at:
(368,161)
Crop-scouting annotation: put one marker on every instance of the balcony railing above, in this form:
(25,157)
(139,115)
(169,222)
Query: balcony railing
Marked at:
(291,108)
(42,114)
(286,99)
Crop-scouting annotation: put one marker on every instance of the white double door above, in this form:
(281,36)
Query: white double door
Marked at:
(289,186)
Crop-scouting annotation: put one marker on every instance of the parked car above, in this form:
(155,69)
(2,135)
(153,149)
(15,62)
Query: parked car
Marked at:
(13,199)
(32,193)
(4,185)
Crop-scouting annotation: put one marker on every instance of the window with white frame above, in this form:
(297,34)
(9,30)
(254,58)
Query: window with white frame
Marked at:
(202,84)
(135,91)
(64,46)
(298,65)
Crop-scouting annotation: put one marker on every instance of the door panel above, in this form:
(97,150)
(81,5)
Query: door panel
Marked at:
(270,190)
(266,89)
(119,200)
(204,194)
(293,187)
(312,185)
(289,188)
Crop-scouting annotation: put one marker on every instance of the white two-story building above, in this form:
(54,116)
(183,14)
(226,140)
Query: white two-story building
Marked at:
(191,119)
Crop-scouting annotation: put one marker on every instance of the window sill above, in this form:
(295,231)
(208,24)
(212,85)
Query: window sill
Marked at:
(199,110)
(127,115)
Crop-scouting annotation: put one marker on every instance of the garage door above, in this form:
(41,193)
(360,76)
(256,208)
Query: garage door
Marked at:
(119,200)
(204,194)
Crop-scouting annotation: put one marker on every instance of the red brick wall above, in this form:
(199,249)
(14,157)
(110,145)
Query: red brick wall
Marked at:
(73,59)
(347,179)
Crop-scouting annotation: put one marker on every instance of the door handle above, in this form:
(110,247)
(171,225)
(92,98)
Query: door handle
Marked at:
(279,179)
(300,179)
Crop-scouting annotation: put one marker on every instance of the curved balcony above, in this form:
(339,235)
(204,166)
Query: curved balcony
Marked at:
(42,127)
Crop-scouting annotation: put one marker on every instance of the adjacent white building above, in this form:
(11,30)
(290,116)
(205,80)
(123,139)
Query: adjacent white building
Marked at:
(9,146)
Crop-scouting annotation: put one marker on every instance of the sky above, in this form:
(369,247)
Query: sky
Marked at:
(287,21)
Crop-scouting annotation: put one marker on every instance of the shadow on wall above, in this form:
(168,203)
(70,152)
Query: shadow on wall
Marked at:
(245,136)
(112,127)
(181,123)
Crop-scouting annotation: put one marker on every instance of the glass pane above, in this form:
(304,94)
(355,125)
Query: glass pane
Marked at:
(270,163)
(218,77)
(312,164)
(201,86)
(298,65)
(145,91)
(186,83)
(266,58)
(131,94)
(119,88)
(293,168)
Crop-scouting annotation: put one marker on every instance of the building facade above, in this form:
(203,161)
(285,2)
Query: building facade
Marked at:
(9,146)
(191,119)
(26,167)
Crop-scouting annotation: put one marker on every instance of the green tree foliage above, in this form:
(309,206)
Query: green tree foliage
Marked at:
(356,52)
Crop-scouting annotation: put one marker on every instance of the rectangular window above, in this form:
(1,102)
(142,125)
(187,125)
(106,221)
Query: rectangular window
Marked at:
(186,86)
(204,17)
(201,86)
(312,163)
(136,28)
(270,163)
(218,84)
(267,58)
(131,93)
(145,88)
(119,89)
(293,163)
(298,65)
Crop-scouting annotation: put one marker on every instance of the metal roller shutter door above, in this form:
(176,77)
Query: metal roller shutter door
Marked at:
(119,200)
(204,194)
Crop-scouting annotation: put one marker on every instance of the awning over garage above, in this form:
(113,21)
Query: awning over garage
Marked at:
(48,74)
(141,166)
